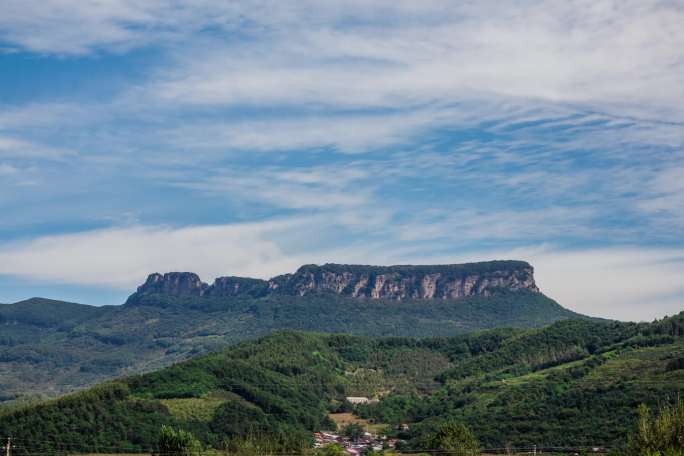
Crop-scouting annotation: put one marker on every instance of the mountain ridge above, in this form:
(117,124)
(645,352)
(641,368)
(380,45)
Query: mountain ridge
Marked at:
(450,281)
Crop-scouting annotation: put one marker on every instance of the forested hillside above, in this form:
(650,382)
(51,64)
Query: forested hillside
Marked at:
(572,383)
(50,347)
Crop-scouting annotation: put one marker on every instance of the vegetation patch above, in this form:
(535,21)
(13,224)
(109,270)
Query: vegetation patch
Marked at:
(193,409)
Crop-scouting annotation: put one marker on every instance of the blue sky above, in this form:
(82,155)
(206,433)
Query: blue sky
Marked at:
(252,137)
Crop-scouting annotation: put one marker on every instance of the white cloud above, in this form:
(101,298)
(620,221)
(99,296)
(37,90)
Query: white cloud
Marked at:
(623,283)
(509,128)
(122,257)
(520,225)
(625,55)
(42,115)
(19,148)
(316,188)
(665,192)
(76,27)
(346,133)
(622,53)
(85,26)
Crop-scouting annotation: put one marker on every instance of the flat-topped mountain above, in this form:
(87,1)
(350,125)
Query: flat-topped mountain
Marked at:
(452,281)
(52,347)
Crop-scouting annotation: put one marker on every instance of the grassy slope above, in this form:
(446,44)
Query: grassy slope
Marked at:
(52,347)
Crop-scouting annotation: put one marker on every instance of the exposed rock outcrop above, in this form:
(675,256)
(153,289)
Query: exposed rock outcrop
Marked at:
(356,281)
(408,282)
(173,284)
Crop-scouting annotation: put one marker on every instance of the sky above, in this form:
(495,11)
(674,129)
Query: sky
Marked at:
(249,138)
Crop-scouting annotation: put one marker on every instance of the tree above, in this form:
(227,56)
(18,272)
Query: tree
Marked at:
(661,435)
(353,430)
(178,442)
(245,447)
(453,439)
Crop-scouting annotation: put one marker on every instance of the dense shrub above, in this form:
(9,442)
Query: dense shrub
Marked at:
(452,439)
(177,442)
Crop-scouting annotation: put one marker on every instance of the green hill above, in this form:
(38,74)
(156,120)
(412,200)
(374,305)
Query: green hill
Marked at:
(49,347)
(571,383)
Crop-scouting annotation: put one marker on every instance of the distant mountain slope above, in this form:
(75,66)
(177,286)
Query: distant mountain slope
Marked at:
(51,347)
(46,313)
(572,383)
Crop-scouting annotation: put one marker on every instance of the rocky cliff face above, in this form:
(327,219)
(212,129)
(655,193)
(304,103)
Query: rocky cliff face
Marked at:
(408,282)
(173,284)
(370,282)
